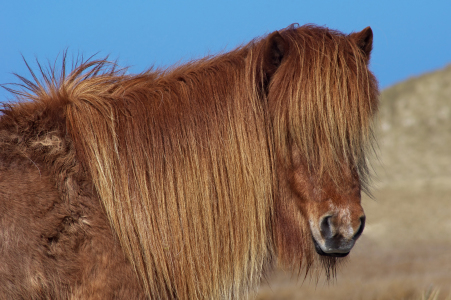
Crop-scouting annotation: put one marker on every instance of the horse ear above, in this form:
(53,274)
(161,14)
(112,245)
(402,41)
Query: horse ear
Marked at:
(364,40)
(275,51)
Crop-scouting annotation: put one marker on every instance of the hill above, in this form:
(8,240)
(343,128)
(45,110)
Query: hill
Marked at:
(414,131)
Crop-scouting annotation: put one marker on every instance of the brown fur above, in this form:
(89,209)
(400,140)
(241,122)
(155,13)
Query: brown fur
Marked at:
(200,170)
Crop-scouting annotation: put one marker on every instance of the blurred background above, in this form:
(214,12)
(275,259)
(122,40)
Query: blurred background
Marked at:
(405,251)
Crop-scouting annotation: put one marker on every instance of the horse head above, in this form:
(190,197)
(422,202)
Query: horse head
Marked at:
(322,99)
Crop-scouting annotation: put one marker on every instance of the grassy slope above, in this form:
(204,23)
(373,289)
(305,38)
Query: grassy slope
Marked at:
(414,130)
(406,246)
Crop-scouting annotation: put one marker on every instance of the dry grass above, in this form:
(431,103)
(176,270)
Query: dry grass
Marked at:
(431,294)
(405,251)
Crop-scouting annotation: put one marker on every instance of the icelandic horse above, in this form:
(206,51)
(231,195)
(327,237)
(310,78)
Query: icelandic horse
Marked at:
(189,182)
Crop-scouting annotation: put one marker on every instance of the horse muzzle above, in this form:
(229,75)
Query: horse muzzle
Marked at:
(335,238)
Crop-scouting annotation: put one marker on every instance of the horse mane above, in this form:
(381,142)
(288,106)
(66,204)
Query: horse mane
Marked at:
(184,159)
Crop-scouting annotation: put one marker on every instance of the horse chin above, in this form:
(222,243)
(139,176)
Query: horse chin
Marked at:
(322,253)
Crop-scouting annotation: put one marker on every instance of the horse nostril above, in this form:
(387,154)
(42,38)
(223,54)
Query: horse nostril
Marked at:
(337,235)
(326,228)
(362,226)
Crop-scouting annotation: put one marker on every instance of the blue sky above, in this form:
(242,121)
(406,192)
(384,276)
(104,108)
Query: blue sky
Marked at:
(410,37)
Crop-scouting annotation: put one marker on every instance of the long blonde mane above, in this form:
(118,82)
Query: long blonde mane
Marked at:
(178,162)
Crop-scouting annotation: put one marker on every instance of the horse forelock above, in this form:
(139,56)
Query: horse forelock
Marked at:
(323,99)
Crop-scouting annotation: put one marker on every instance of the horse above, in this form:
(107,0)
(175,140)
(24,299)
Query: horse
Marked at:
(190,182)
